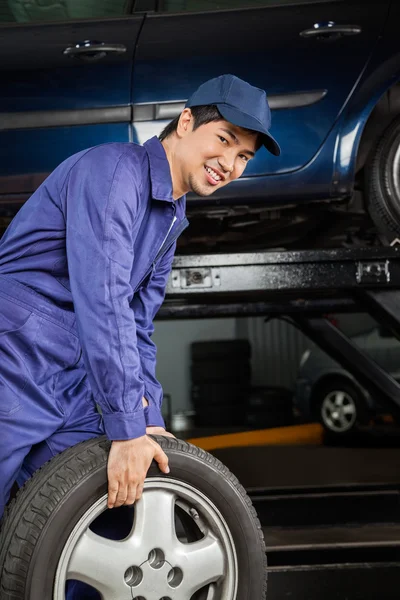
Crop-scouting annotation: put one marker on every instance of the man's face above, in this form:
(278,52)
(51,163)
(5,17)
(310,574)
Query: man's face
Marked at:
(213,155)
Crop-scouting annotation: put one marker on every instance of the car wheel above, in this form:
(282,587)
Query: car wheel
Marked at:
(383,183)
(340,407)
(194,535)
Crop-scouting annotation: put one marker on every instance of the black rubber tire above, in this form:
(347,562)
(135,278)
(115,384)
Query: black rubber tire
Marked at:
(220,370)
(220,416)
(362,413)
(382,191)
(271,399)
(38,522)
(220,394)
(240,349)
(269,420)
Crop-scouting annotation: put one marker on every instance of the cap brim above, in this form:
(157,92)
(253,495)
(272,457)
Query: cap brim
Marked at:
(240,119)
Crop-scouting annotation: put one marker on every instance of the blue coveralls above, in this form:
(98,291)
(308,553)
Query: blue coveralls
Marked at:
(83,270)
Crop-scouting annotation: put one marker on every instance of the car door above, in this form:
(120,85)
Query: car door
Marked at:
(307,55)
(65,75)
(384,348)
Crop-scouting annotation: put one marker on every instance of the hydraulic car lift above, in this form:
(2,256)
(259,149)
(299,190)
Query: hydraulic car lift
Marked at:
(322,553)
(305,285)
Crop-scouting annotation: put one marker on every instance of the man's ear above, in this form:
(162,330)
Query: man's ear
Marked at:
(185,123)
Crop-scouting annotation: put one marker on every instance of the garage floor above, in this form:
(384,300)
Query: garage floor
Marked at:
(330,515)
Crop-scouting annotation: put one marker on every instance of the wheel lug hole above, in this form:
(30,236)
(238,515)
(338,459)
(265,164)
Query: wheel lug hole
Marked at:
(175,577)
(156,558)
(133,577)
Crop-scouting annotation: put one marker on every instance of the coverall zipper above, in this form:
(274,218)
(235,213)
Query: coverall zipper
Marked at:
(164,247)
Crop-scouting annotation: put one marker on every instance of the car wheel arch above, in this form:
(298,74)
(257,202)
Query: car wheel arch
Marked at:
(365,118)
(386,110)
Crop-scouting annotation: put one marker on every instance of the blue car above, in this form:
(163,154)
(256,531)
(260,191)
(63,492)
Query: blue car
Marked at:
(77,73)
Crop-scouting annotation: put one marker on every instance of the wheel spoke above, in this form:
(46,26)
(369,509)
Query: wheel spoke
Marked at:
(339,397)
(101,563)
(203,563)
(330,406)
(154,524)
(343,421)
(349,409)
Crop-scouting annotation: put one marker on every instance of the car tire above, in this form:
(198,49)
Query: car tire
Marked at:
(220,371)
(383,183)
(220,416)
(340,407)
(227,350)
(227,395)
(41,526)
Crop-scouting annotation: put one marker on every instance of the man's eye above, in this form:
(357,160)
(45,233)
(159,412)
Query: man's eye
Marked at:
(244,157)
(222,139)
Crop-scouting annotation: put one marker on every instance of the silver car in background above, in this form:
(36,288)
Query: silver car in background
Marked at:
(326,392)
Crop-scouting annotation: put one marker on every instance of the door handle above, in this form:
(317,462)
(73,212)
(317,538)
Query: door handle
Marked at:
(330,31)
(93,51)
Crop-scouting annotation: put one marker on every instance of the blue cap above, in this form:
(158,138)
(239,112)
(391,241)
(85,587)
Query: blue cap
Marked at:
(239,103)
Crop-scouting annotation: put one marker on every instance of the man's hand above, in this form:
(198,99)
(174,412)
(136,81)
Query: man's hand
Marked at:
(158,431)
(128,463)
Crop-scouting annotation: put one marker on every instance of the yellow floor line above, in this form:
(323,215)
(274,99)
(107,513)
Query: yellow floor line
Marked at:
(297,435)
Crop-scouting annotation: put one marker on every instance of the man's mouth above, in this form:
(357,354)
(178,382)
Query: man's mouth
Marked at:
(213,177)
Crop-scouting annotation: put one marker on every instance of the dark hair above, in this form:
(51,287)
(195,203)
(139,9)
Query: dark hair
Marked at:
(201,116)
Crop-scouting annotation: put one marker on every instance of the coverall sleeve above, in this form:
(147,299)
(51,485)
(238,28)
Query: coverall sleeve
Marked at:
(146,304)
(101,196)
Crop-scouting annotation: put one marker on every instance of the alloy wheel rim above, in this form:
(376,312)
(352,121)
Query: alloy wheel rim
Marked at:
(152,563)
(339,411)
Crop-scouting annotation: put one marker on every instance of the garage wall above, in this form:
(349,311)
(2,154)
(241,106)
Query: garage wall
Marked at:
(277,347)
(173,339)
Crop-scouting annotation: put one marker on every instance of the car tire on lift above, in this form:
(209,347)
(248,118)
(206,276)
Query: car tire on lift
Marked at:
(340,407)
(383,183)
(47,524)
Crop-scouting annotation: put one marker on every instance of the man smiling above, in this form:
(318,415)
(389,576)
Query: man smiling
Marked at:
(223,125)
(83,270)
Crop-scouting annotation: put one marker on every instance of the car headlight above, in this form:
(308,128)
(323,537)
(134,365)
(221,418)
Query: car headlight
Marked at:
(304,358)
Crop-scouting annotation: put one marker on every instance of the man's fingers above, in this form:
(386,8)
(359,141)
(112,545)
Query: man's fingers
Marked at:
(132,494)
(112,495)
(122,495)
(139,491)
(128,464)
(162,459)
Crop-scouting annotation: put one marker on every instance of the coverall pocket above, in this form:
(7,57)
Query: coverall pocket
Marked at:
(12,316)
(15,324)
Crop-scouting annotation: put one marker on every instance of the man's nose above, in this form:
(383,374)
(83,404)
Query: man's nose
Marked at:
(226,164)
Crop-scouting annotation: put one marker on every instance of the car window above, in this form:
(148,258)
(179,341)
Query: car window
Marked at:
(40,11)
(210,5)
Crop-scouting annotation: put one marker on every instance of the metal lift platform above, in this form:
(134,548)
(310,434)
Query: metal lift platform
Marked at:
(338,540)
(305,285)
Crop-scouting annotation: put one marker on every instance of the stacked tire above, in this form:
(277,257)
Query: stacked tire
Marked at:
(270,407)
(221,381)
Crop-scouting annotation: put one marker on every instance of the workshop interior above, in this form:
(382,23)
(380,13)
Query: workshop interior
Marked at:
(277,333)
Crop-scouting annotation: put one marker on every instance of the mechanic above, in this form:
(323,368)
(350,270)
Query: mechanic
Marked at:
(83,270)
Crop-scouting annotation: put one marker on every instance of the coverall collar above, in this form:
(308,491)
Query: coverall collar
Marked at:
(160,172)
